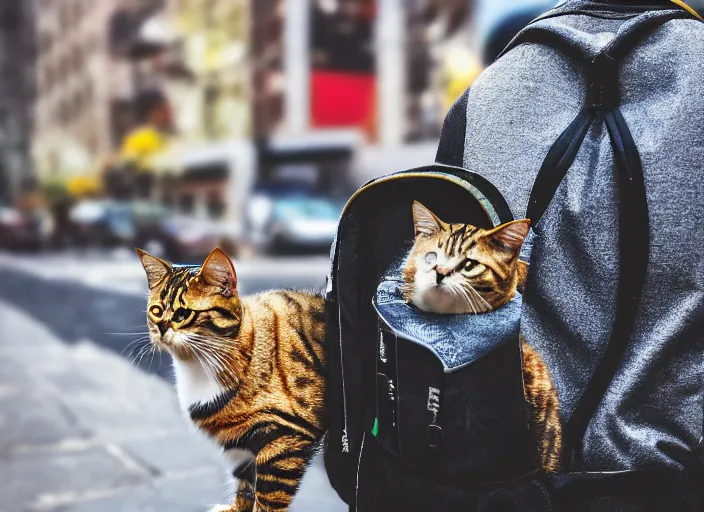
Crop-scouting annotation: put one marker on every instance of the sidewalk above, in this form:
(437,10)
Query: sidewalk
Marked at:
(81,430)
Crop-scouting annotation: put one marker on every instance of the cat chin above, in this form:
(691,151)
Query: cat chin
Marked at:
(436,300)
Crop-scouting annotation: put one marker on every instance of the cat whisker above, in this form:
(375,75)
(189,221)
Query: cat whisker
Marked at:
(481,304)
(206,349)
(143,352)
(212,359)
(217,362)
(457,292)
(221,363)
(206,367)
(135,352)
(151,361)
(135,344)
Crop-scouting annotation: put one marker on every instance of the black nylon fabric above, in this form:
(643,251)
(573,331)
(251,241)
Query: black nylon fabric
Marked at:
(451,146)
(386,484)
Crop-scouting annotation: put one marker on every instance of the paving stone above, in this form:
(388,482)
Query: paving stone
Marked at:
(33,479)
(35,420)
(316,493)
(82,430)
(194,493)
(121,401)
(175,453)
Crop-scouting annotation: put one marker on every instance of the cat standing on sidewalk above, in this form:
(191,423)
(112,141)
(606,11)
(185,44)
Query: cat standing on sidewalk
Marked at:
(250,372)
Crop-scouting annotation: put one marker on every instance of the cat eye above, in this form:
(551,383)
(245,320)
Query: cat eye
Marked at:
(431,258)
(470,264)
(156,311)
(181,315)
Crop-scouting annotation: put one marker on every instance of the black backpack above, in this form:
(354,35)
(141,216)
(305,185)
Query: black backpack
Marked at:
(415,425)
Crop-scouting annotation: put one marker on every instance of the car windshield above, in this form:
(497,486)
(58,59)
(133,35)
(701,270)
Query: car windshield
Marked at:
(89,211)
(306,206)
(150,211)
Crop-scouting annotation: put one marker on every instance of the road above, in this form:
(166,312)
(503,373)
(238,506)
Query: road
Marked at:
(100,296)
(82,428)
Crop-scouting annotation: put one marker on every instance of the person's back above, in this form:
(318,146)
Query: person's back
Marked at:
(652,413)
(591,126)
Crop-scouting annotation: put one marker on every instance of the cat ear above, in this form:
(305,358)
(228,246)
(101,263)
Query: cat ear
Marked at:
(156,268)
(510,235)
(425,221)
(219,271)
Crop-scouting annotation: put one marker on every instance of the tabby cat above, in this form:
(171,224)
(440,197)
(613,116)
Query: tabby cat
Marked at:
(460,268)
(249,372)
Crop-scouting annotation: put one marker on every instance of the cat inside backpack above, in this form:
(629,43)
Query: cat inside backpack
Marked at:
(459,269)
(250,372)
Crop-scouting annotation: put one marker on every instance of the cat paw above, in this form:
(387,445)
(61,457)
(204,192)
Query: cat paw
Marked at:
(221,508)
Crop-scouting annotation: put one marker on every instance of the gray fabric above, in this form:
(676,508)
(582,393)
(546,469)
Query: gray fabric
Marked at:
(456,340)
(653,412)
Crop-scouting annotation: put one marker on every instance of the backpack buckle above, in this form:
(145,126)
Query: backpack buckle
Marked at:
(603,85)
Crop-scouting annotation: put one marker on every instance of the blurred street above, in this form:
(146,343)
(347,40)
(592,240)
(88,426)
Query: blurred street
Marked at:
(100,296)
(82,428)
(177,126)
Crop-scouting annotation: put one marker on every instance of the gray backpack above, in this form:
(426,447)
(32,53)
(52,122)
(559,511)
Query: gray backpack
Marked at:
(591,124)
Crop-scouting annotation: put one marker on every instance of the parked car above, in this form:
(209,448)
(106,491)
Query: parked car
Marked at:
(19,230)
(101,223)
(285,218)
(179,239)
(149,225)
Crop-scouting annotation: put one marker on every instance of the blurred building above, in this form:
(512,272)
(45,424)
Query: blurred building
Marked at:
(211,101)
(384,67)
(211,42)
(268,58)
(16,95)
(441,61)
(73,75)
(245,74)
(84,82)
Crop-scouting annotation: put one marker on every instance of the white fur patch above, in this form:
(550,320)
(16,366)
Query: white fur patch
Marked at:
(194,384)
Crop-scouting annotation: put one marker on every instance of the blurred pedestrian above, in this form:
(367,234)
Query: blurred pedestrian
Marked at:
(132,173)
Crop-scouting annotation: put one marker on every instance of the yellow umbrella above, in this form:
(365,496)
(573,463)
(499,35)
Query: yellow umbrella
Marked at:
(82,186)
(141,145)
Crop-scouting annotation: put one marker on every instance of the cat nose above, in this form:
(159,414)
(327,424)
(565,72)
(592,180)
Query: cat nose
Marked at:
(163,327)
(439,277)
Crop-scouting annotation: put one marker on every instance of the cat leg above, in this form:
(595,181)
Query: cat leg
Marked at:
(280,468)
(244,496)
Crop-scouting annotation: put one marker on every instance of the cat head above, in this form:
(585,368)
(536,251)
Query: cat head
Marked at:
(460,268)
(192,310)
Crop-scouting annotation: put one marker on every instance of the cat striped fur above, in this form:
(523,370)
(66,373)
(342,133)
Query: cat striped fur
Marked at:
(250,372)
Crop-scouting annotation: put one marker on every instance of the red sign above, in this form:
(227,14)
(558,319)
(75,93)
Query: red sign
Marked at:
(342,99)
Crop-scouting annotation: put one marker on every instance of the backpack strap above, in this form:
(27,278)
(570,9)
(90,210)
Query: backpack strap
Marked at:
(454,129)
(634,236)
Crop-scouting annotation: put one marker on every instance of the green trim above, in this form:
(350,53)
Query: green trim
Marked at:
(375,428)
